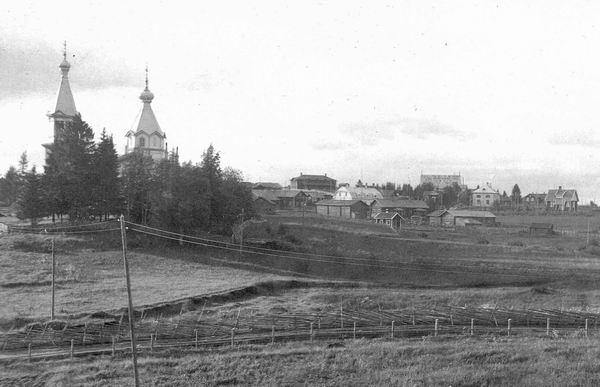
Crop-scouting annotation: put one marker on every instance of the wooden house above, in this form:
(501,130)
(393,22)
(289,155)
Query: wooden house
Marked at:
(392,219)
(352,209)
(562,199)
(404,207)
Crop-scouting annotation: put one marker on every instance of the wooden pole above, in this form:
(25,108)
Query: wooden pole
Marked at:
(393,328)
(29,352)
(342,314)
(586,327)
(113,345)
(130,303)
(272,334)
(196,332)
(472,325)
(354,331)
(547,327)
(72,347)
(232,337)
(151,342)
(509,321)
(53,275)
(311,331)
(435,328)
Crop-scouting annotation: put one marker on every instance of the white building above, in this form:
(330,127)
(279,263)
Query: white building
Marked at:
(484,196)
(357,193)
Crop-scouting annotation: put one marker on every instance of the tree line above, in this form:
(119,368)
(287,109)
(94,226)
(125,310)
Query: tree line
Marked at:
(84,179)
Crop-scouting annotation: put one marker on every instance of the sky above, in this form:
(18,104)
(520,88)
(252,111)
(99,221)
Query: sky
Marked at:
(499,91)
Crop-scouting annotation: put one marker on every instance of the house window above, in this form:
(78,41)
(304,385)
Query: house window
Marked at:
(142,142)
(478,201)
(487,202)
(478,196)
(487,196)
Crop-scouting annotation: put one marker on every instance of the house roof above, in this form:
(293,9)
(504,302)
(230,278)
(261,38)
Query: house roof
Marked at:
(436,213)
(566,194)
(274,194)
(361,192)
(400,203)
(471,214)
(485,189)
(535,196)
(266,185)
(313,177)
(541,226)
(340,203)
(387,215)
(264,199)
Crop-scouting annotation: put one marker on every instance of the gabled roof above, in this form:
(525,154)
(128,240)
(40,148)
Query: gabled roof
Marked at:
(362,192)
(340,203)
(313,177)
(266,185)
(400,203)
(387,215)
(471,214)
(271,194)
(436,213)
(485,189)
(566,194)
(146,122)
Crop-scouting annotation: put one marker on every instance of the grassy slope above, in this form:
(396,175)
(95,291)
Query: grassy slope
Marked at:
(420,362)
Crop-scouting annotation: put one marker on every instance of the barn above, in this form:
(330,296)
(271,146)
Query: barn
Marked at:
(352,209)
(392,219)
(463,218)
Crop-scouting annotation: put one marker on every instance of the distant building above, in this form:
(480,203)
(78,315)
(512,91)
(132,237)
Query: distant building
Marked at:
(484,196)
(535,200)
(313,182)
(265,185)
(442,181)
(283,198)
(392,219)
(351,209)
(461,218)
(562,199)
(404,207)
(357,193)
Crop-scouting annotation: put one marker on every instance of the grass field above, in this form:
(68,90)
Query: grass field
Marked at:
(421,268)
(418,362)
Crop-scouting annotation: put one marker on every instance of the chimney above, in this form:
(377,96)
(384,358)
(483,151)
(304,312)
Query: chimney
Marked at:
(560,187)
(300,173)
(325,175)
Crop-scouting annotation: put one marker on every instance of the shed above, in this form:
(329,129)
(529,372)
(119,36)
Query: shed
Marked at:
(468,218)
(541,228)
(392,219)
(353,209)
(405,208)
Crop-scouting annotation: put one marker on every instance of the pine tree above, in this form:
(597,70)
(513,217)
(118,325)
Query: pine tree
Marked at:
(105,189)
(137,180)
(9,186)
(30,204)
(210,168)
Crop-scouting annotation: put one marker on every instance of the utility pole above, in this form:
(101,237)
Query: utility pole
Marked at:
(130,303)
(53,275)
(241,232)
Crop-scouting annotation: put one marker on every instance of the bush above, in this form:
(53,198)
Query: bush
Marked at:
(483,241)
(423,235)
(516,243)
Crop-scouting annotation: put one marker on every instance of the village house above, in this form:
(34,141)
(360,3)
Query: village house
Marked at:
(534,200)
(346,192)
(404,207)
(484,196)
(283,198)
(450,218)
(392,219)
(351,209)
(562,199)
(313,182)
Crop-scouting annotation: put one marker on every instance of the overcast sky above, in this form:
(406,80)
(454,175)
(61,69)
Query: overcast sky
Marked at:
(505,92)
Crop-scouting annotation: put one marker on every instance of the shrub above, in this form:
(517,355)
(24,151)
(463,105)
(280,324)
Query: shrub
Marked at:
(423,235)
(483,241)
(516,243)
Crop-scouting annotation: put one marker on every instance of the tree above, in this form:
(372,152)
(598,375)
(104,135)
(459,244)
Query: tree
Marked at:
(210,168)
(516,194)
(359,184)
(390,186)
(421,188)
(137,181)
(450,195)
(23,163)
(30,204)
(68,176)
(9,186)
(105,188)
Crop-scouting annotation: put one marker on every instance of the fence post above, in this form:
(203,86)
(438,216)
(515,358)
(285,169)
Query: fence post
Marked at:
(84,332)
(72,347)
(151,342)
(311,331)
(547,327)
(451,320)
(436,327)
(354,331)
(508,332)
(586,327)
(272,334)
(29,352)
(341,315)
(196,333)
(472,325)
(113,345)
(393,328)
(232,337)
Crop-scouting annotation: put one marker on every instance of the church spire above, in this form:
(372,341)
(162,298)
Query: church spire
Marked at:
(65,103)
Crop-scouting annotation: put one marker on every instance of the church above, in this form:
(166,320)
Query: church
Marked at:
(145,136)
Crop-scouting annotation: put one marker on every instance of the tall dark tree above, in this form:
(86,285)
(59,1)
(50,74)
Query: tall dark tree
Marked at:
(9,186)
(210,168)
(421,188)
(23,163)
(30,204)
(137,183)
(105,189)
(516,194)
(238,198)
(68,176)
(450,195)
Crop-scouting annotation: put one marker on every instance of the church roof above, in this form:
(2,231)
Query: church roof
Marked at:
(65,103)
(146,120)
